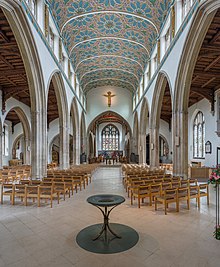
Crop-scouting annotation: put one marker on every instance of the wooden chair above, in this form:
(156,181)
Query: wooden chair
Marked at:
(164,186)
(7,190)
(194,193)
(60,188)
(46,192)
(155,190)
(31,192)
(20,191)
(170,196)
(204,192)
(141,192)
(183,194)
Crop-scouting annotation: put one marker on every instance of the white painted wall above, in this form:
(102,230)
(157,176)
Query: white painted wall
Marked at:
(210,135)
(121,103)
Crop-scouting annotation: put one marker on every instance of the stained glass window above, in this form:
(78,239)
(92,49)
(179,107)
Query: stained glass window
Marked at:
(199,136)
(110,138)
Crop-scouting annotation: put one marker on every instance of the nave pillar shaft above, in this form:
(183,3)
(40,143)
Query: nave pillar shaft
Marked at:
(154,147)
(142,149)
(1,152)
(180,144)
(64,147)
(77,148)
(38,145)
(27,154)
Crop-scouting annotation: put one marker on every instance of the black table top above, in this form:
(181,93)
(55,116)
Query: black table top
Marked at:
(105,200)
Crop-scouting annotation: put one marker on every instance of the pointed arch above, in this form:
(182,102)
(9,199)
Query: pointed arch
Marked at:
(144,124)
(83,134)
(75,124)
(162,84)
(135,134)
(60,92)
(26,130)
(193,43)
(26,43)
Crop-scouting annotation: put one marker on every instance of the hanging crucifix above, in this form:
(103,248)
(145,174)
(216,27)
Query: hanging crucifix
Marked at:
(109,96)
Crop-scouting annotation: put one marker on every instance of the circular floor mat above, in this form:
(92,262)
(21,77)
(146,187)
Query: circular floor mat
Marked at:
(129,238)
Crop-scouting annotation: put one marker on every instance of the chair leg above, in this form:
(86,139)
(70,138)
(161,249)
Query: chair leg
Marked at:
(165,207)
(155,201)
(177,205)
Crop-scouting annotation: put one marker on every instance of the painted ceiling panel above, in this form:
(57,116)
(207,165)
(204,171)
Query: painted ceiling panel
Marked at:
(109,62)
(107,25)
(108,47)
(115,34)
(109,82)
(109,74)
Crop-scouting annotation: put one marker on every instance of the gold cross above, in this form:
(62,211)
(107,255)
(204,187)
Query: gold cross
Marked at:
(109,96)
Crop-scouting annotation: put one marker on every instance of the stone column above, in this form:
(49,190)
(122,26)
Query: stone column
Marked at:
(142,148)
(178,14)
(44,143)
(180,144)
(64,147)
(27,154)
(1,152)
(162,46)
(97,139)
(37,145)
(77,148)
(154,146)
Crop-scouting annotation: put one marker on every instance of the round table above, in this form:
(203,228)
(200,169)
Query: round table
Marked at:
(105,203)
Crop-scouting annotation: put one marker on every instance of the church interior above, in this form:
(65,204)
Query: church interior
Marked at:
(117,97)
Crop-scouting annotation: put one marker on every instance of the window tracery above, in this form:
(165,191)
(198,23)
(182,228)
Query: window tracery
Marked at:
(110,138)
(199,136)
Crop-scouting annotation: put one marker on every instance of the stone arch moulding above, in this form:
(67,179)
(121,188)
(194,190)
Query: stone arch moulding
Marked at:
(113,117)
(27,132)
(83,148)
(27,46)
(160,86)
(60,92)
(193,43)
(135,139)
(144,122)
(76,137)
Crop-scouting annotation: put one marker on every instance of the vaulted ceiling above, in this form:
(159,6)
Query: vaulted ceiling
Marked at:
(109,41)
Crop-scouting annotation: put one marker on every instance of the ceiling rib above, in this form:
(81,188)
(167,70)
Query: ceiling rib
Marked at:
(109,11)
(90,58)
(121,70)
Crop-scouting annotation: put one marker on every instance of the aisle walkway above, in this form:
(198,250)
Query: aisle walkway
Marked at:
(31,236)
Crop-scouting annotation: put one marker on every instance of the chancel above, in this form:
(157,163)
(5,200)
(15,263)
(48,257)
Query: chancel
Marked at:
(109,98)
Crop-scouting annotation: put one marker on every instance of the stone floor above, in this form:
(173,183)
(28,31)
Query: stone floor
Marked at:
(32,236)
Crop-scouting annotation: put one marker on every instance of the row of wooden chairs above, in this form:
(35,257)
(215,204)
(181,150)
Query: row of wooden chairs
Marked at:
(41,191)
(151,188)
(14,174)
(170,192)
(176,195)
(133,182)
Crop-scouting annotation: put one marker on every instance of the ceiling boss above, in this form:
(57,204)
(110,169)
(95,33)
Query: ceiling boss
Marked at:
(109,96)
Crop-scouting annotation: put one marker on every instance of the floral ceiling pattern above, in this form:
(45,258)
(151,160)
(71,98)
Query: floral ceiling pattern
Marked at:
(109,34)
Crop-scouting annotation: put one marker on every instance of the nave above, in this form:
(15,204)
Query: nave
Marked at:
(32,236)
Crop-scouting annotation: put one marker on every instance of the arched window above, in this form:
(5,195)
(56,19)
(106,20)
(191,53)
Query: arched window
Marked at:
(110,138)
(199,136)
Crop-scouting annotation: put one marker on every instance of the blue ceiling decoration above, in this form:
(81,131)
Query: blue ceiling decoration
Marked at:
(114,36)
